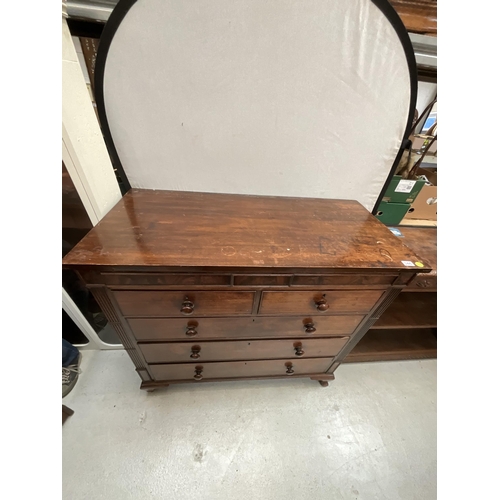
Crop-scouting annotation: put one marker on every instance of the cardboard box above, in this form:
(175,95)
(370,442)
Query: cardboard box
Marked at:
(425,205)
(402,190)
(420,142)
(391,214)
(430,173)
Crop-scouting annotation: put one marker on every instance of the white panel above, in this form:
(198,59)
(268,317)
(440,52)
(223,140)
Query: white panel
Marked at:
(86,159)
(426,93)
(287,98)
(94,342)
(84,152)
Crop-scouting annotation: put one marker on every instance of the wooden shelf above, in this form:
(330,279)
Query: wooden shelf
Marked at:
(407,329)
(418,223)
(388,345)
(410,310)
(417,16)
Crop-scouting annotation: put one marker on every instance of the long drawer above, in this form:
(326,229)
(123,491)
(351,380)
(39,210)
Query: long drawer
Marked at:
(183,280)
(181,352)
(324,302)
(191,303)
(240,369)
(234,328)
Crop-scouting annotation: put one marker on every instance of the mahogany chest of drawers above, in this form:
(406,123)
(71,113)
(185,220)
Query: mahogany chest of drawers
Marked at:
(207,287)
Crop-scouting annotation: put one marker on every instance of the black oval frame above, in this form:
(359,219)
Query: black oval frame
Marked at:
(123,6)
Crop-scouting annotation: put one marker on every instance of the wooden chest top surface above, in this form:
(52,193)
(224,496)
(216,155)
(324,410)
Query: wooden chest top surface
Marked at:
(422,240)
(180,229)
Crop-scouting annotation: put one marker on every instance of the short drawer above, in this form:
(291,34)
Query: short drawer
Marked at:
(192,303)
(260,327)
(262,280)
(240,369)
(181,352)
(323,302)
(175,280)
(344,280)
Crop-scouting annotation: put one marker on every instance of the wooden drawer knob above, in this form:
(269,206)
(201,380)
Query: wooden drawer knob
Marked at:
(191,331)
(187,306)
(195,352)
(322,305)
(298,350)
(309,328)
(197,373)
(289,369)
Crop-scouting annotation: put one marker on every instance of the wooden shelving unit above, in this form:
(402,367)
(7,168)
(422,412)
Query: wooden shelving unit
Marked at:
(410,310)
(394,344)
(408,328)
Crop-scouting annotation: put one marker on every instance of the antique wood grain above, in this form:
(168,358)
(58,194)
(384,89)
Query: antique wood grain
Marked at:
(262,280)
(423,241)
(383,303)
(345,280)
(240,369)
(169,228)
(256,301)
(143,374)
(204,287)
(418,16)
(105,301)
(159,303)
(155,329)
(185,352)
(323,302)
(334,367)
(94,273)
(153,385)
(386,345)
(163,279)
(410,310)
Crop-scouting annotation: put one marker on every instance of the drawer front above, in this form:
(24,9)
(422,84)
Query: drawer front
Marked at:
(176,280)
(324,302)
(262,280)
(240,369)
(158,303)
(168,279)
(264,327)
(182,352)
(344,280)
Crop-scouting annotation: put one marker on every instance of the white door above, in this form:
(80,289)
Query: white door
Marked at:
(90,190)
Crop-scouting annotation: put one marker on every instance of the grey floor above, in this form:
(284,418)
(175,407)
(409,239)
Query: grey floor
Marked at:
(370,435)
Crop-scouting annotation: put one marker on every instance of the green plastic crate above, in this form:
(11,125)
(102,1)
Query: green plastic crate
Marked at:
(392,214)
(402,190)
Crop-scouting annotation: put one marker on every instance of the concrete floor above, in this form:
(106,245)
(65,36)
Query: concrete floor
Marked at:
(370,435)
